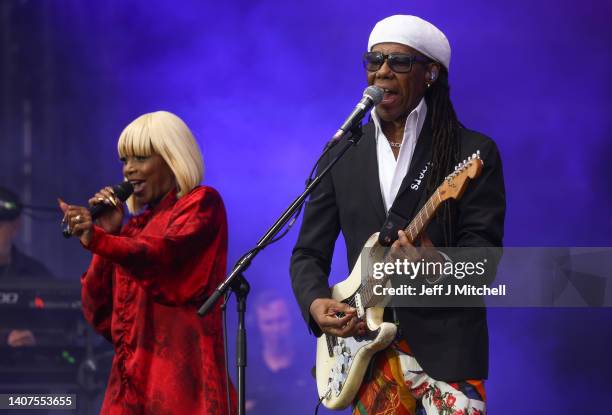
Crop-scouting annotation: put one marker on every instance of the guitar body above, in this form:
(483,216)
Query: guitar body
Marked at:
(342,362)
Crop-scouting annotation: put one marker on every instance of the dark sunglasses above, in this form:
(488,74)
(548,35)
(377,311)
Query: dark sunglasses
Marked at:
(398,62)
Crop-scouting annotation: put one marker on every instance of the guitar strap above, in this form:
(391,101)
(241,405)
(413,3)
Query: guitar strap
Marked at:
(411,189)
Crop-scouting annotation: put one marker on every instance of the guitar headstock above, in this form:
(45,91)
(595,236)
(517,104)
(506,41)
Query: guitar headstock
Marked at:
(455,183)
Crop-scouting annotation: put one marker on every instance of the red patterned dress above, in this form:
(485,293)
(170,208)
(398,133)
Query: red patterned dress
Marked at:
(141,292)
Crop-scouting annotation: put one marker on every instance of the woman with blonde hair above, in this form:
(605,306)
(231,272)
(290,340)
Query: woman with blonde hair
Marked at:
(147,277)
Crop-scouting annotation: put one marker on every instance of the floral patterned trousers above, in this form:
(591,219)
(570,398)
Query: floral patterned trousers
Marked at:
(397,385)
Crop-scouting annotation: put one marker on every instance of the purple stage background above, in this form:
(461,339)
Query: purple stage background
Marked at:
(263,85)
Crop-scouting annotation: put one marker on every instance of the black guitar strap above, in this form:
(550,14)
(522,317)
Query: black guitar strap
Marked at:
(411,189)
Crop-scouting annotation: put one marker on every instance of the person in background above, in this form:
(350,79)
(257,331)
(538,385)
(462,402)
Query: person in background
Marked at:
(14,264)
(279,366)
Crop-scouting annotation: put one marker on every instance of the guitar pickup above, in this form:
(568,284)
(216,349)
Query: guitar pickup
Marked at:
(359,306)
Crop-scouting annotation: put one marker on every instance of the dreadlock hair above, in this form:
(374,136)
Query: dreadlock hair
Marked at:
(445,154)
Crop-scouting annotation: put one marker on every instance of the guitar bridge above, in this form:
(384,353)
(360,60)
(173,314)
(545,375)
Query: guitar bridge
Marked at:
(332,341)
(359,306)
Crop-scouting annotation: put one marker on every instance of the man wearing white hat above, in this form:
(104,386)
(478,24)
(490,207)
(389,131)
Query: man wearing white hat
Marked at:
(439,361)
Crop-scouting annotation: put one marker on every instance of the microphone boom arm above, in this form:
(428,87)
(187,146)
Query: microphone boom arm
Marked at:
(245,261)
(238,283)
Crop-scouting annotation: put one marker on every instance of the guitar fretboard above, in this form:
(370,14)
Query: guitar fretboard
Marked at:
(422,218)
(413,230)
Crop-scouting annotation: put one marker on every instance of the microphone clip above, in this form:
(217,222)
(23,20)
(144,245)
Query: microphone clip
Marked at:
(353,135)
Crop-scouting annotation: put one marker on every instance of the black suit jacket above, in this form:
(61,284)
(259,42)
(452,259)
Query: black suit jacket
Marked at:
(449,343)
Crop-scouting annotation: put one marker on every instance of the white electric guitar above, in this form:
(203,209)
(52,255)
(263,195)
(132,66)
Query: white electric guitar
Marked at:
(342,362)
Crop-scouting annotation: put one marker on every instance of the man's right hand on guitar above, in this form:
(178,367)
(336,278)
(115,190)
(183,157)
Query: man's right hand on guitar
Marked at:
(324,311)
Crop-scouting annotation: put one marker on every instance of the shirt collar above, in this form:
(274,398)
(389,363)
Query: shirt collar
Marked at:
(417,116)
(144,215)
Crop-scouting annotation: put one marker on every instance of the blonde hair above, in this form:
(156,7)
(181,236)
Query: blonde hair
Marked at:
(165,134)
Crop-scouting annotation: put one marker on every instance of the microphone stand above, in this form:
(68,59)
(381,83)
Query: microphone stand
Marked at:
(238,283)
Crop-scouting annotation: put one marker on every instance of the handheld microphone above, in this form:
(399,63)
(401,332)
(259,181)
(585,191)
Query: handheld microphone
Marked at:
(371,97)
(122,191)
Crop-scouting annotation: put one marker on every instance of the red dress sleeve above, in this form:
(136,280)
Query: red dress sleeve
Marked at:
(172,257)
(97,295)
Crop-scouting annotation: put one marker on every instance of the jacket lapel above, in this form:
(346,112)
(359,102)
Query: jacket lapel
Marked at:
(369,161)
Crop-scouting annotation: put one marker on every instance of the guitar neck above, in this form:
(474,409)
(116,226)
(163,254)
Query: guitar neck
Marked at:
(413,230)
(420,221)
(452,187)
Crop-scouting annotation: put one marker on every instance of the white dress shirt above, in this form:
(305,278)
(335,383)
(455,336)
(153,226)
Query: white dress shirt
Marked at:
(391,172)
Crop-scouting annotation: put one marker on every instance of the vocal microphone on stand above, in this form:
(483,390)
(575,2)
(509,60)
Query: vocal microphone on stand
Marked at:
(372,96)
(122,191)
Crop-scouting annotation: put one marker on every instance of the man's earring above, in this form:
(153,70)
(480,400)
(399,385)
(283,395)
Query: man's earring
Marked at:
(432,78)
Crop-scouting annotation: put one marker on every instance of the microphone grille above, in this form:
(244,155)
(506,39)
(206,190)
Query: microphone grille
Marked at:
(374,93)
(123,190)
